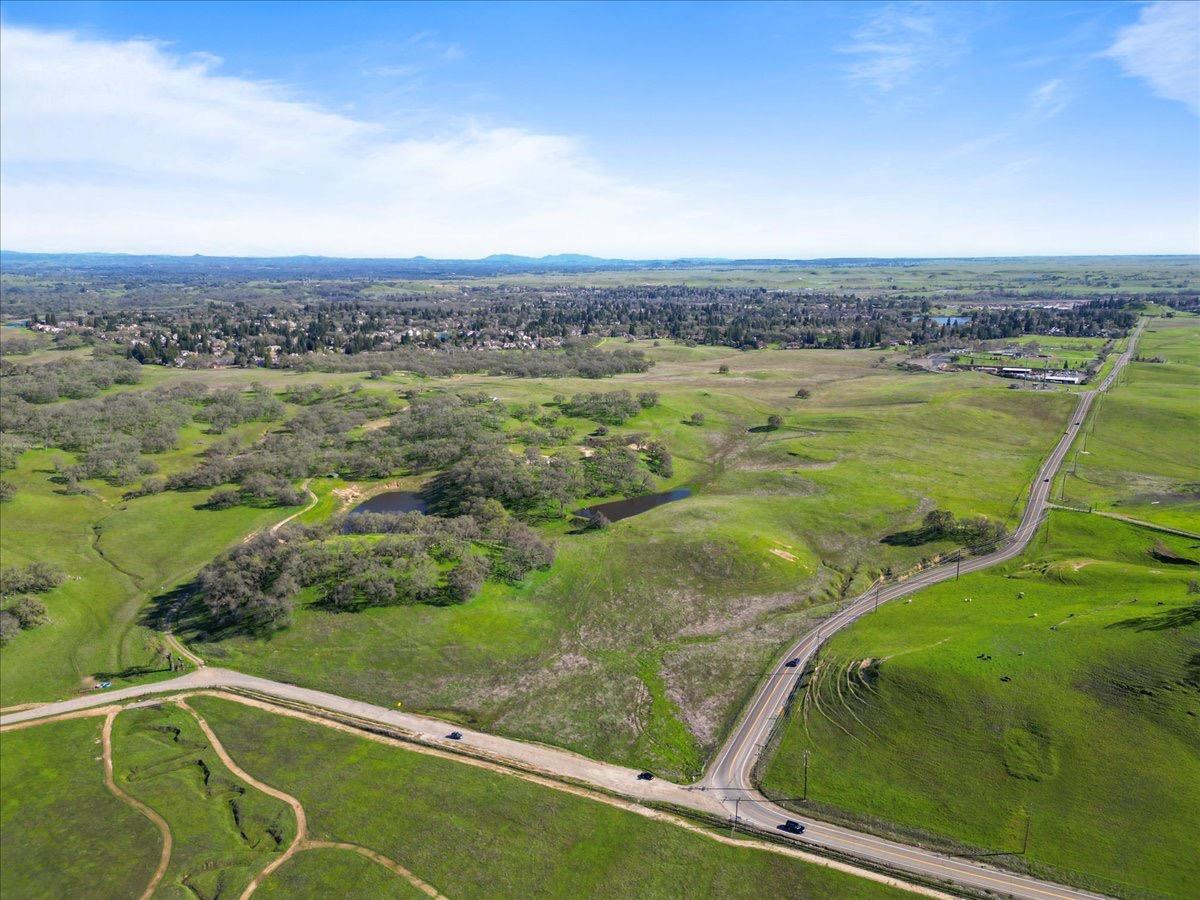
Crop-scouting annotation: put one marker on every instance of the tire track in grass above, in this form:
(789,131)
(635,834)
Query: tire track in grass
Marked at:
(301,841)
(389,864)
(159,821)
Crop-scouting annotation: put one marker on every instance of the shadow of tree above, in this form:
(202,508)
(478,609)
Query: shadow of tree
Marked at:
(1176,617)
(182,611)
(913,537)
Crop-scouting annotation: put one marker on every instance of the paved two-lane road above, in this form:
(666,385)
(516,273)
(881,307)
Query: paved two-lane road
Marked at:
(731,774)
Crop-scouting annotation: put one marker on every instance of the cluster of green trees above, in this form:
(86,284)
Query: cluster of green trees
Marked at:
(940,524)
(573,360)
(410,559)
(228,408)
(66,379)
(21,610)
(460,438)
(609,408)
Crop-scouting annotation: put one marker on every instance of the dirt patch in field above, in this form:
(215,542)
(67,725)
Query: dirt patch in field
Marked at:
(349,494)
(739,612)
(353,494)
(708,681)
(783,554)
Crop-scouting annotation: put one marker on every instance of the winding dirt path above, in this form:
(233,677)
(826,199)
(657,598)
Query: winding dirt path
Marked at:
(632,806)
(159,821)
(169,636)
(312,501)
(392,865)
(297,807)
(301,841)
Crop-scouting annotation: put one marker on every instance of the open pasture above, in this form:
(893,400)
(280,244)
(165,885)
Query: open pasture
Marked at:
(1056,692)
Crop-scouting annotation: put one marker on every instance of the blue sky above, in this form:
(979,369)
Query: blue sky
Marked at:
(639,130)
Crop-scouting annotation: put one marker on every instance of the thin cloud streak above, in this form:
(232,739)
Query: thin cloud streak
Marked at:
(894,44)
(1163,49)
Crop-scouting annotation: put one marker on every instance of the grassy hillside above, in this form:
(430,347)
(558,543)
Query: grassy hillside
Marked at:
(1061,689)
(335,873)
(474,833)
(643,639)
(1142,459)
(117,554)
(641,642)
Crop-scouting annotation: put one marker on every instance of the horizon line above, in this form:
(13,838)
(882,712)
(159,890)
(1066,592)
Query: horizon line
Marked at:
(564,256)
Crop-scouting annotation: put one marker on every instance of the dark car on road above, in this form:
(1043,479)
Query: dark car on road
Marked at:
(455,735)
(792,663)
(645,776)
(791,826)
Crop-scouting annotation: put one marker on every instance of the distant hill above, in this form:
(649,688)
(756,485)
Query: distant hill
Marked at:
(13,261)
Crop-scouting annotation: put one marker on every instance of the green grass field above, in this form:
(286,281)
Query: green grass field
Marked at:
(476,833)
(62,834)
(335,873)
(643,640)
(224,831)
(117,554)
(935,279)
(1061,689)
(466,830)
(1142,458)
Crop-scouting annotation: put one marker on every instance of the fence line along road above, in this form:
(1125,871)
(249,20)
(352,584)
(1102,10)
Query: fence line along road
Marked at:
(727,788)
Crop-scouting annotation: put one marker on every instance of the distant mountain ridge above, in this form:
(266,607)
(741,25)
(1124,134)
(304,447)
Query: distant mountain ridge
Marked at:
(14,261)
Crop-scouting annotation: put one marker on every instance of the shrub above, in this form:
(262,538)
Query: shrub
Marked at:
(29,611)
(35,578)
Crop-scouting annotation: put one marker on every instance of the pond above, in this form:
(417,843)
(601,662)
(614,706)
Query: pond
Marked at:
(393,502)
(617,510)
(945,320)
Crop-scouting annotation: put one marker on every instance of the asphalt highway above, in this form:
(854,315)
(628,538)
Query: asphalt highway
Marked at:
(730,775)
(727,788)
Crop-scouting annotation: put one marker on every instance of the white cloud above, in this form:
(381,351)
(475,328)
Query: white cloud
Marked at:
(896,42)
(1163,49)
(1049,98)
(124,145)
(129,146)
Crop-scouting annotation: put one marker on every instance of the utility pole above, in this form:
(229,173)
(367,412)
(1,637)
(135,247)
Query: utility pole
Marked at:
(1025,843)
(958,565)
(806,753)
(877,587)
(733,825)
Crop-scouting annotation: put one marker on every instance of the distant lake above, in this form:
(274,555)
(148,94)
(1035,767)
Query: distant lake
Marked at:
(617,510)
(945,320)
(393,502)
